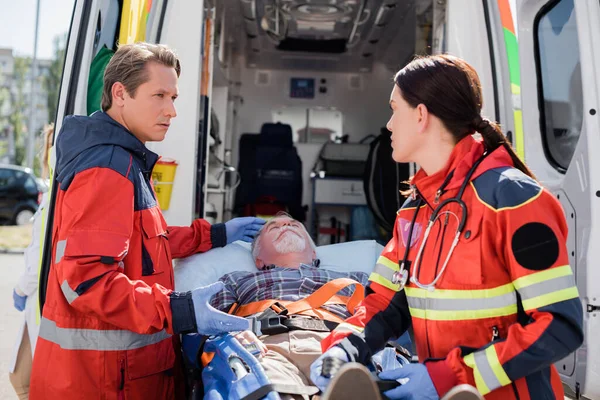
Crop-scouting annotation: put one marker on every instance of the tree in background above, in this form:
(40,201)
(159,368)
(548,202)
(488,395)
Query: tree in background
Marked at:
(53,79)
(4,113)
(17,119)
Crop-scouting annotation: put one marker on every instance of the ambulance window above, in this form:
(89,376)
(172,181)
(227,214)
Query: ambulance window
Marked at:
(559,72)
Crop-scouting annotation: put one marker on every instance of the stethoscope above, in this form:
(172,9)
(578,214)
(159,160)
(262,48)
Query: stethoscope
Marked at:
(401,277)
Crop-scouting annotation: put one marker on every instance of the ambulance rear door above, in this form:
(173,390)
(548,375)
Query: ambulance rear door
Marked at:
(559,94)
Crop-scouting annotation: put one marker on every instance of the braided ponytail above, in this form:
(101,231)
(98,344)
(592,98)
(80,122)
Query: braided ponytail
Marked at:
(493,138)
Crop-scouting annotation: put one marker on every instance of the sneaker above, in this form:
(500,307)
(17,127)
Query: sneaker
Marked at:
(463,392)
(352,382)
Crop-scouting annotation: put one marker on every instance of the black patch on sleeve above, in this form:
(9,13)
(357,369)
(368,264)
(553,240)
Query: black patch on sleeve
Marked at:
(535,246)
(107,260)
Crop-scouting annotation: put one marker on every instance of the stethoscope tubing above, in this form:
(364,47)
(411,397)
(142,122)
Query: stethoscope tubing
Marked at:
(402,276)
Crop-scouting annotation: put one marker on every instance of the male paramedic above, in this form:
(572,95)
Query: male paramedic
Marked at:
(288,270)
(111,317)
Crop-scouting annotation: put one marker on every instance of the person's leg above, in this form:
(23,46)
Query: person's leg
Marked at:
(300,347)
(20,378)
(290,355)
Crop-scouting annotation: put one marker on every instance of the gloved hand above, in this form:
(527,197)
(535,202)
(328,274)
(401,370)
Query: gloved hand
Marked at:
(243,228)
(18,300)
(418,387)
(211,321)
(316,367)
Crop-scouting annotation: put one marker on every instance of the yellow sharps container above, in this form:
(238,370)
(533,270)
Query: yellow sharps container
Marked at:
(163,176)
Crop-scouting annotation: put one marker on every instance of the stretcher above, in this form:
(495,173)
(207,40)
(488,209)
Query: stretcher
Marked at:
(220,367)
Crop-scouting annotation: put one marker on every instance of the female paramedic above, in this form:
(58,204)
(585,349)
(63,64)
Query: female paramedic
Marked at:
(478,247)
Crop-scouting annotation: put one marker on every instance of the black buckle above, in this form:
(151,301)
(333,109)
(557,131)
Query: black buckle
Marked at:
(279,308)
(268,325)
(272,325)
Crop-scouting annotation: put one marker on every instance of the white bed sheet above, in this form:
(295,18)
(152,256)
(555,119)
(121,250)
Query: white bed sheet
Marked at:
(205,268)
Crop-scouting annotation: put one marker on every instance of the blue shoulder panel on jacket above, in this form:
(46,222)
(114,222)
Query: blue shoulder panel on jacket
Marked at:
(505,187)
(103,156)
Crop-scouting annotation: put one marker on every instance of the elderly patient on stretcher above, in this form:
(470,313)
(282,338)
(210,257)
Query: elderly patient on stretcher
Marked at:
(288,271)
(292,301)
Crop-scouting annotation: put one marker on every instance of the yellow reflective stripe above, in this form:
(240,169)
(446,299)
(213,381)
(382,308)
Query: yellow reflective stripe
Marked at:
(542,276)
(386,269)
(451,305)
(460,294)
(558,286)
(479,382)
(550,298)
(487,370)
(375,277)
(492,358)
(388,263)
(436,315)
(346,327)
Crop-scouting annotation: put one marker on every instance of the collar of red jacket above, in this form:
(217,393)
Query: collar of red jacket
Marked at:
(464,155)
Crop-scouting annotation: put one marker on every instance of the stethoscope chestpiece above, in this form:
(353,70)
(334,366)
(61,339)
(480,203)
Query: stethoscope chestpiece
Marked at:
(400,277)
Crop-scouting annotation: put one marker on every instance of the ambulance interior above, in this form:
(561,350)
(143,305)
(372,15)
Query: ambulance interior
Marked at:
(295,89)
(324,71)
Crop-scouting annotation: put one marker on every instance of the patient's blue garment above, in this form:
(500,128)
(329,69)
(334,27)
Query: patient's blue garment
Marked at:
(282,284)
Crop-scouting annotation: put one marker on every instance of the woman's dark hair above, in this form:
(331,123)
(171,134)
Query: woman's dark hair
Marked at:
(450,89)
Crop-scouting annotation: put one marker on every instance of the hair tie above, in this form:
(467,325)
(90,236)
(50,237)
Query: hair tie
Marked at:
(480,124)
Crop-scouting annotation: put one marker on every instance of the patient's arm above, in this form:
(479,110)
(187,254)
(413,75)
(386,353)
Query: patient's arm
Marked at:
(227,297)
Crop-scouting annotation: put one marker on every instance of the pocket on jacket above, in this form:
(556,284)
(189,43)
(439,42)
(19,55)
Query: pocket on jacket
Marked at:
(150,360)
(155,255)
(465,266)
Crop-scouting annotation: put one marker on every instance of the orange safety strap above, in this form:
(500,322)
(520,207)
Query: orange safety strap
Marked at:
(311,305)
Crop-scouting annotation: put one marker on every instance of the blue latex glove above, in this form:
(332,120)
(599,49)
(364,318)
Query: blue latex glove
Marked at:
(211,321)
(418,387)
(244,228)
(315,368)
(19,301)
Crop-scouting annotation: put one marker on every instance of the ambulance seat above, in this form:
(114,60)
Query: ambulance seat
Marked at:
(271,173)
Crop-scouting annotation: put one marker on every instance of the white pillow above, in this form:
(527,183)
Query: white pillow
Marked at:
(205,268)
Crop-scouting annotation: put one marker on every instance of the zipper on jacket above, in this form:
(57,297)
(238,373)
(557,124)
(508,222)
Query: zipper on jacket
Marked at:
(436,200)
(515,390)
(121,395)
(495,333)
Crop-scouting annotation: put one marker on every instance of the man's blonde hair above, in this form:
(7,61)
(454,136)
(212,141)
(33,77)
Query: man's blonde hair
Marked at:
(128,66)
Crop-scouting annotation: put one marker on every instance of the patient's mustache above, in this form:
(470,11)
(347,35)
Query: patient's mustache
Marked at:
(289,243)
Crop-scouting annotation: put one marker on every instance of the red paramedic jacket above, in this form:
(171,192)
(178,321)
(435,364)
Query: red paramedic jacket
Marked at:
(110,311)
(505,309)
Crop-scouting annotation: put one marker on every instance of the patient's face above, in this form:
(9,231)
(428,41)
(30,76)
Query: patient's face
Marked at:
(285,243)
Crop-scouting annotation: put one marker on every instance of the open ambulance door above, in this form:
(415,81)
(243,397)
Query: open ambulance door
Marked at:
(559,94)
(97,27)
(79,45)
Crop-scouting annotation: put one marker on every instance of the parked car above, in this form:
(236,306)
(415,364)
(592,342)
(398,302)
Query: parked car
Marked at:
(20,194)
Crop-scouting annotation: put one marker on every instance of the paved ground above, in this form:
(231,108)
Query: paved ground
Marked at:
(11,266)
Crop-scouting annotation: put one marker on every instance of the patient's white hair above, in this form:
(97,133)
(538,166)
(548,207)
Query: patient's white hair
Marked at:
(255,247)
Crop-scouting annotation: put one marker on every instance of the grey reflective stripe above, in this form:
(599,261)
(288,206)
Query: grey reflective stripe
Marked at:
(504,300)
(547,286)
(69,293)
(485,370)
(384,271)
(100,340)
(60,250)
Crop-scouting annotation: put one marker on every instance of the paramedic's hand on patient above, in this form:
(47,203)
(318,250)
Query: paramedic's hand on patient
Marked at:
(418,387)
(19,299)
(317,366)
(211,321)
(244,228)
